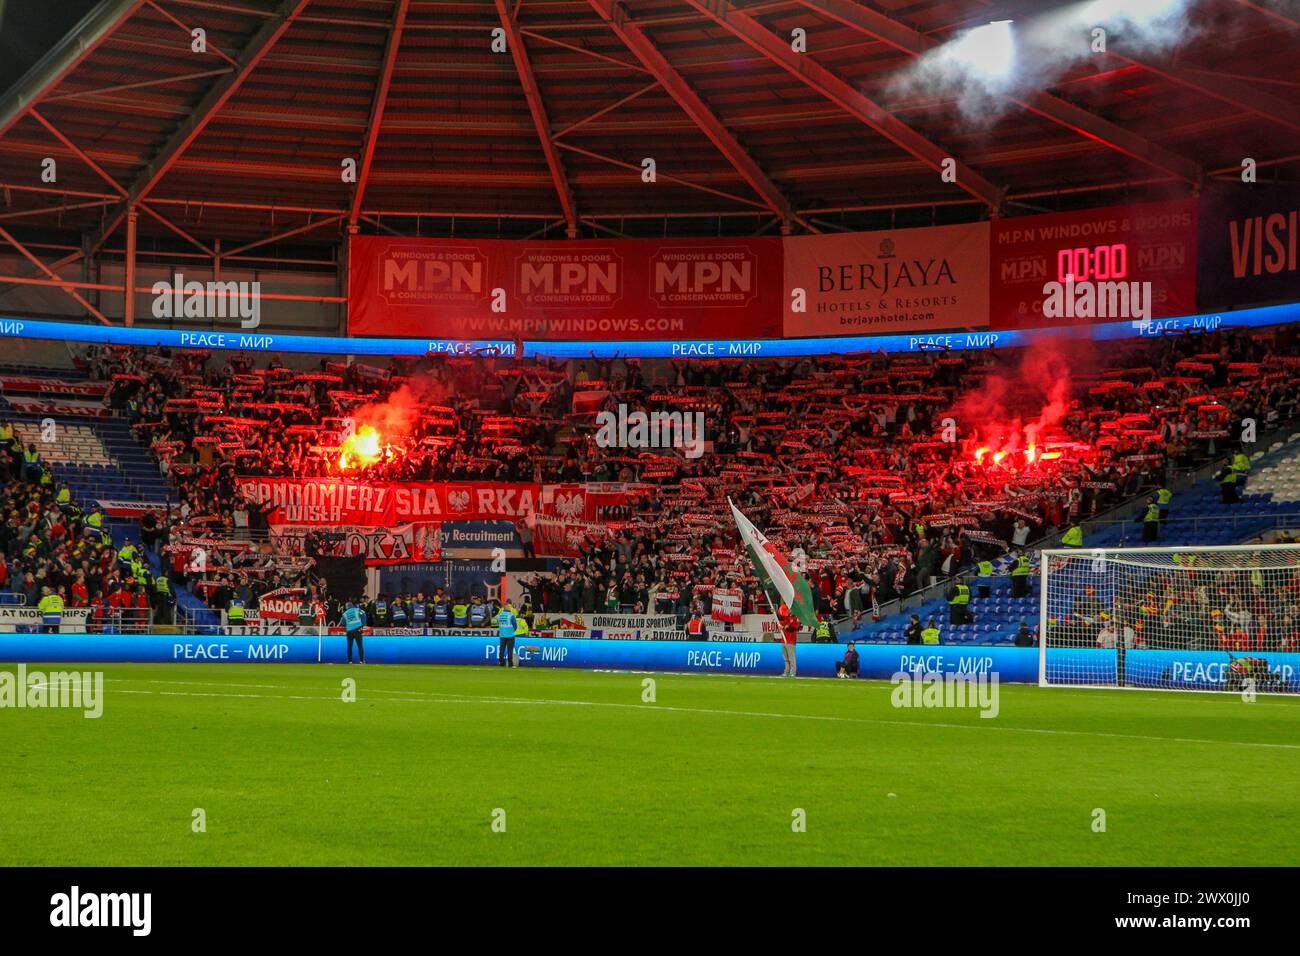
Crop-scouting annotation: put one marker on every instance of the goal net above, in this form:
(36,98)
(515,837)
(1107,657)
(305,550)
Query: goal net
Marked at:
(1212,618)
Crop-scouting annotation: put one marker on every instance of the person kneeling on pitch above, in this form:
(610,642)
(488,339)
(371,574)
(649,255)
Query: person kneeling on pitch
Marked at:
(353,622)
(849,666)
(507,622)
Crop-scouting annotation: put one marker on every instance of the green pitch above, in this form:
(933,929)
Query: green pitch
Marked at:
(412,772)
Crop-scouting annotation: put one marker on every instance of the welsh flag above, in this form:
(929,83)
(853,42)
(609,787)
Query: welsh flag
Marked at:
(775,572)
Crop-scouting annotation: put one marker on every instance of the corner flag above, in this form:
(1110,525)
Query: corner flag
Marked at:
(775,572)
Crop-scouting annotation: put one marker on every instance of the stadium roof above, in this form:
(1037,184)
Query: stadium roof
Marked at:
(245,142)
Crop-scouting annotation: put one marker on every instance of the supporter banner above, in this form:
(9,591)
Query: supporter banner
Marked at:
(29,616)
(281,604)
(558,538)
(52,386)
(410,541)
(725,605)
(904,280)
(129,509)
(1148,242)
(1250,244)
(604,289)
(59,406)
(335,501)
(590,501)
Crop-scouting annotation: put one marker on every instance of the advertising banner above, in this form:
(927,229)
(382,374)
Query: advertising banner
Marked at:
(473,536)
(709,348)
(903,280)
(1250,246)
(335,501)
(1152,245)
(460,578)
(880,661)
(556,290)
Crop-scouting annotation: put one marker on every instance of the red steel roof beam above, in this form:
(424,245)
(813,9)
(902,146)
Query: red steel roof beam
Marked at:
(540,120)
(845,95)
(377,108)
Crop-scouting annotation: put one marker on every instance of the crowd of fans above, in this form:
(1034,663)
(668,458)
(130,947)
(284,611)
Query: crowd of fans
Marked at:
(55,556)
(1240,610)
(880,474)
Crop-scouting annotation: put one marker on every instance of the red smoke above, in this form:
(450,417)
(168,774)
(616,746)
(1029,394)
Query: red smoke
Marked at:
(1007,419)
(381,429)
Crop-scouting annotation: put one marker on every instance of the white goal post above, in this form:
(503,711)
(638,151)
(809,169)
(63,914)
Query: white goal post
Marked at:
(1223,618)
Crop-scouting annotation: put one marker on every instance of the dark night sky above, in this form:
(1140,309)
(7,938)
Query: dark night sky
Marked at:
(28,28)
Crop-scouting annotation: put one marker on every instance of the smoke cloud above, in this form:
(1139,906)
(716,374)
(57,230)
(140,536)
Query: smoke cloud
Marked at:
(978,68)
(1018,405)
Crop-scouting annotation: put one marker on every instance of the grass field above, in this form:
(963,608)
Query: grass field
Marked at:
(710,773)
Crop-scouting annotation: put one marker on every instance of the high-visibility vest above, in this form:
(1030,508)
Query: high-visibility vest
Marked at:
(95,519)
(51,608)
(930,635)
(521,626)
(6,433)
(459,614)
(63,497)
(695,625)
(1229,477)
(419,612)
(381,611)
(1164,496)
(441,612)
(353,619)
(986,569)
(162,585)
(1153,513)
(823,630)
(31,457)
(305,614)
(1021,567)
(962,596)
(235,613)
(399,613)
(1073,538)
(506,623)
(1240,463)
(478,614)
